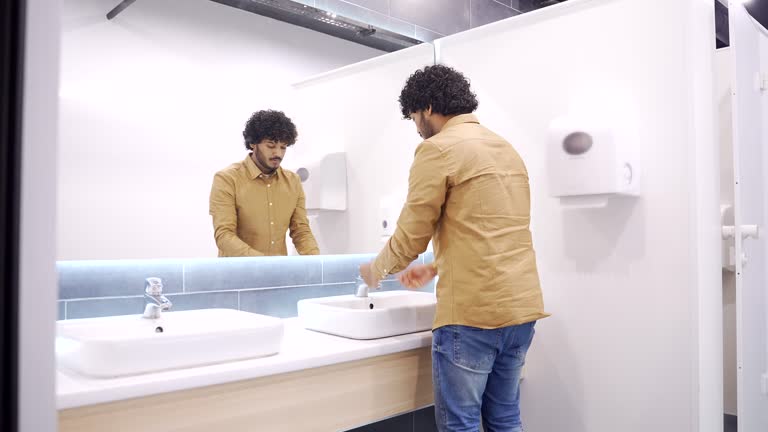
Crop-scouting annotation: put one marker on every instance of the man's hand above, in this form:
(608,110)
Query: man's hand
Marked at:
(417,276)
(366,272)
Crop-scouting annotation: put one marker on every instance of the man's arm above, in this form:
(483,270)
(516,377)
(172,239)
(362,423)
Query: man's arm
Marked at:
(427,186)
(301,234)
(224,212)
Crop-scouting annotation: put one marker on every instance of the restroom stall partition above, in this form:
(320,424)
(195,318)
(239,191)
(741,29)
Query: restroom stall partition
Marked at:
(723,94)
(634,287)
(749,115)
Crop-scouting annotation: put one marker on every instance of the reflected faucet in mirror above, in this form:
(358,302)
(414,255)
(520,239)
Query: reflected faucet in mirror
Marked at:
(153,291)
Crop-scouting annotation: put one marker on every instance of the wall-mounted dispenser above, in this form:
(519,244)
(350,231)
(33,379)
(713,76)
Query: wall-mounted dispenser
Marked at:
(390,207)
(325,182)
(589,160)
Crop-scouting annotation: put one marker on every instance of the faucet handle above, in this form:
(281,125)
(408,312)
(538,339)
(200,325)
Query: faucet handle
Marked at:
(153,286)
(359,281)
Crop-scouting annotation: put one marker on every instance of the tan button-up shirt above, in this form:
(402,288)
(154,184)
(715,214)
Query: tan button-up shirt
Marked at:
(252,212)
(468,191)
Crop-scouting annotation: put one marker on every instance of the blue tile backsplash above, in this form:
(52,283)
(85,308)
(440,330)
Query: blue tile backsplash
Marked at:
(224,299)
(344,270)
(282,303)
(92,308)
(91,279)
(217,274)
(265,285)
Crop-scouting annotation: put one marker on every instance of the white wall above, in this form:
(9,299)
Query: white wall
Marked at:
(153,103)
(723,99)
(749,144)
(633,343)
(363,118)
(37,273)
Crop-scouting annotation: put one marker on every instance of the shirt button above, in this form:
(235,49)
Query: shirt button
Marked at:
(271,223)
(270,203)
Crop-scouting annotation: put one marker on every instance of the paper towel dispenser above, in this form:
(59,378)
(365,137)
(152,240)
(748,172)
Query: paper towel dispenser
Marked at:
(325,182)
(390,207)
(589,160)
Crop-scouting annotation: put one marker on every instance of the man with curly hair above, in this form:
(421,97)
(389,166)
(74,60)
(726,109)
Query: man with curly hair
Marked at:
(468,192)
(254,202)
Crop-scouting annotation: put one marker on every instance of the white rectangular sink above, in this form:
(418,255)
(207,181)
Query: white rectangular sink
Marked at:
(129,345)
(380,315)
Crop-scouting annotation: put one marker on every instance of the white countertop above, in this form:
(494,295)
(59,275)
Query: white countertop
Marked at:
(302,349)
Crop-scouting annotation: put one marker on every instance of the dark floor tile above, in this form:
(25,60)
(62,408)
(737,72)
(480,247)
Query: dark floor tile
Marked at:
(424,420)
(402,423)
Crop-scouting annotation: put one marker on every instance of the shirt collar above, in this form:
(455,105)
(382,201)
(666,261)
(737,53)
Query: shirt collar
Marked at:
(459,119)
(254,172)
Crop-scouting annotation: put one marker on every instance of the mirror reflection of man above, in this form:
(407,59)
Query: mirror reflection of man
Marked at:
(255,202)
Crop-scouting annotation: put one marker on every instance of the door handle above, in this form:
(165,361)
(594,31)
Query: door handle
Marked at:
(747,231)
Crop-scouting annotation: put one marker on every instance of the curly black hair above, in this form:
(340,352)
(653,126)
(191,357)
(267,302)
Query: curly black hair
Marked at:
(269,124)
(443,88)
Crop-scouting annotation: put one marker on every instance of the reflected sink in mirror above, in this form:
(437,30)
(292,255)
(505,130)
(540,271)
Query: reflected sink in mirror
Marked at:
(129,345)
(380,315)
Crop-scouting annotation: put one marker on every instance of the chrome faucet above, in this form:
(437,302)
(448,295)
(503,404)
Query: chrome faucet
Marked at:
(362,288)
(153,291)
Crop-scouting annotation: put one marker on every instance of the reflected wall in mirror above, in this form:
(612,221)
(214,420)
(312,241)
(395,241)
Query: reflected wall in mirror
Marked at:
(154,102)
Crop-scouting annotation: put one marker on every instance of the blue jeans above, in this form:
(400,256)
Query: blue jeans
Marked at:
(476,374)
